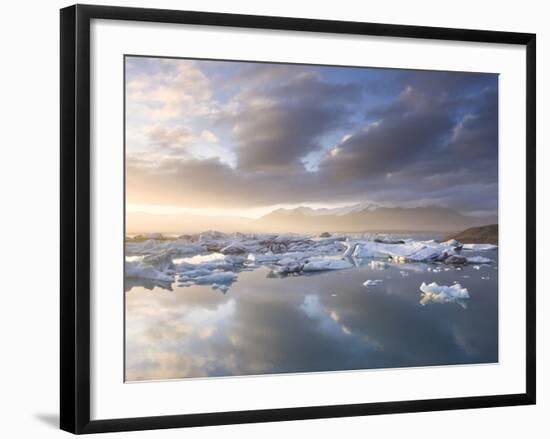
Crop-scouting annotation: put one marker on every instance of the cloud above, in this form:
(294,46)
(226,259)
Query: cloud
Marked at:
(405,131)
(274,127)
(171,89)
(420,138)
(179,140)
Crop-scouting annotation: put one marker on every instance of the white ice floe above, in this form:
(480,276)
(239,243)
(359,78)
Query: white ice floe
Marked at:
(479,247)
(287,261)
(479,260)
(476,267)
(322,264)
(235,248)
(287,268)
(378,265)
(234,260)
(136,269)
(372,282)
(407,251)
(260,259)
(442,293)
(162,261)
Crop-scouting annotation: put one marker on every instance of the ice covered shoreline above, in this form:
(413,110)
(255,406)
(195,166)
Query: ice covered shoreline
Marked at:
(215,258)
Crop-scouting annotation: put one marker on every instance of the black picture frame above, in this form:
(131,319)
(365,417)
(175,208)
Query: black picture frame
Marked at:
(75,217)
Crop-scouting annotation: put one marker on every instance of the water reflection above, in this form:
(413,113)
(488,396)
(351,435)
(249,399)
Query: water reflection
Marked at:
(323,322)
(148,284)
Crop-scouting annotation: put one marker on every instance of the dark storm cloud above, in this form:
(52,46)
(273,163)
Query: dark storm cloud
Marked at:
(430,138)
(405,131)
(277,126)
(475,136)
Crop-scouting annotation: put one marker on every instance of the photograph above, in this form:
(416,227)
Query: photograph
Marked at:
(296,218)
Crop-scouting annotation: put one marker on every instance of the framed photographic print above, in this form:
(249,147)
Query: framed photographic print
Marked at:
(268,218)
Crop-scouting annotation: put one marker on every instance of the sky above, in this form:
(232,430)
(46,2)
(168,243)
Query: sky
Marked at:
(244,138)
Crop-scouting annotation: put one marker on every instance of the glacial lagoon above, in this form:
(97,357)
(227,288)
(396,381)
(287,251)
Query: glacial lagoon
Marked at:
(363,313)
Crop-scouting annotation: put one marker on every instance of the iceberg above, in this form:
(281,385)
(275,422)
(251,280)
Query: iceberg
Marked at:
(136,269)
(223,277)
(479,247)
(479,260)
(161,261)
(415,251)
(372,283)
(214,257)
(234,248)
(259,258)
(323,264)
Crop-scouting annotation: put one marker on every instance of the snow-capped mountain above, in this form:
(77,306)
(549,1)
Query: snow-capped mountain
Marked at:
(369,217)
(323,211)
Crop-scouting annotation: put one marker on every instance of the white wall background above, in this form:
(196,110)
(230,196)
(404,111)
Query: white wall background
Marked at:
(29,203)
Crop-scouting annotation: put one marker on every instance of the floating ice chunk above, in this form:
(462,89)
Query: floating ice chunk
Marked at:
(403,251)
(479,260)
(234,259)
(372,282)
(161,261)
(135,269)
(485,277)
(378,265)
(288,268)
(403,273)
(368,250)
(235,248)
(191,274)
(479,247)
(442,293)
(350,248)
(260,259)
(451,243)
(287,261)
(322,264)
(183,247)
(199,259)
(476,267)
(222,277)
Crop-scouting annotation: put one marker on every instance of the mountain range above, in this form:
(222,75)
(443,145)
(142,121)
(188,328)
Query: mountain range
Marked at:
(361,217)
(370,217)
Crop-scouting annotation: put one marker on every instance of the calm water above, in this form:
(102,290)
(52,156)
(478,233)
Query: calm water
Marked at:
(321,322)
